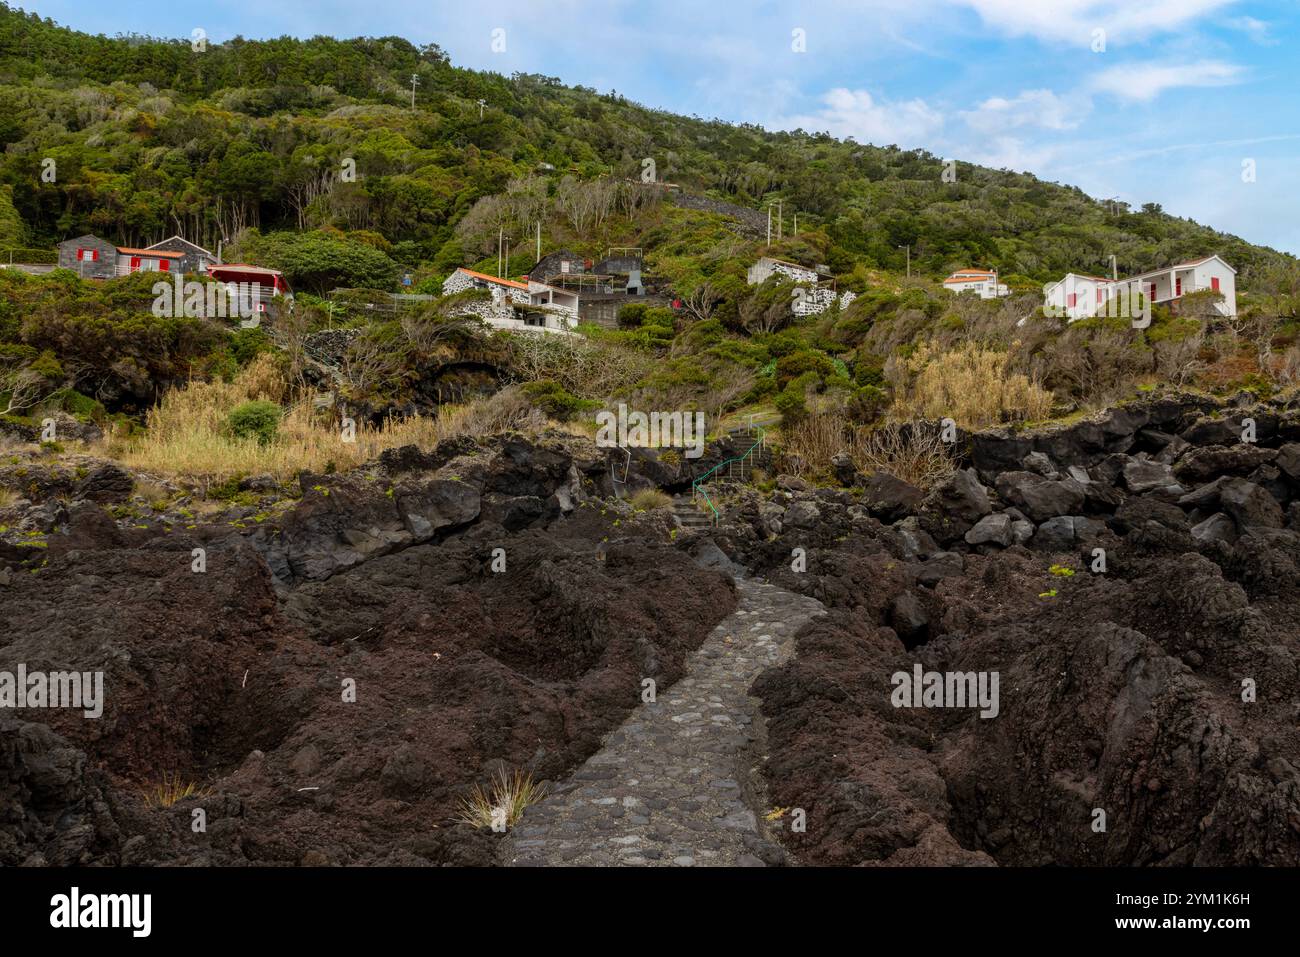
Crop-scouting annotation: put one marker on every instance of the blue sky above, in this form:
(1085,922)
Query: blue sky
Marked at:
(1143,100)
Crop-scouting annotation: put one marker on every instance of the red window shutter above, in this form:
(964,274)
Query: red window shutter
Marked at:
(164,265)
(1178,287)
(1153,292)
(94,255)
(1214,283)
(1099,295)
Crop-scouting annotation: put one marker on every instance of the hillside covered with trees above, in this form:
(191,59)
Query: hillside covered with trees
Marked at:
(308,156)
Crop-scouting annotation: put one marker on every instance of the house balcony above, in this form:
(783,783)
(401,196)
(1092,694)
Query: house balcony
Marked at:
(1169,286)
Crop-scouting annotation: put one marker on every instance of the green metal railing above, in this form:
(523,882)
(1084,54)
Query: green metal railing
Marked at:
(697,485)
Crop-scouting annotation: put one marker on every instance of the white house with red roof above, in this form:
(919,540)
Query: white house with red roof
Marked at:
(983,282)
(1081,297)
(1077,296)
(1173,282)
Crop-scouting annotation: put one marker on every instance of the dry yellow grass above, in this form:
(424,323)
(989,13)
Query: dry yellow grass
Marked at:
(186,433)
(971,385)
(916,455)
(170,790)
(649,499)
(811,443)
(504,805)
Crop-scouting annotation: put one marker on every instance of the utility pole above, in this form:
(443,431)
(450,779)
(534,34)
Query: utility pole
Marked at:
(1114,268)
(414,80)
(481,104)
(909,260)
(795,231)
(505,275)
(780,218)
(539,241)
(501,232)
(769,224)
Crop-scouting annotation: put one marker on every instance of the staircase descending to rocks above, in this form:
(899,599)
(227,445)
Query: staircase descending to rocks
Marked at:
(738,468)
(688,514)
(742,469)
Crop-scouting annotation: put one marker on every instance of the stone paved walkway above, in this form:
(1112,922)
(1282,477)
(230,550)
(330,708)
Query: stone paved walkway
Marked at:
(679,782)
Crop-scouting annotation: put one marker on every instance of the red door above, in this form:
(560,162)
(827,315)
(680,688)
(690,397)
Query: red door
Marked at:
(1214,283)
(164,265)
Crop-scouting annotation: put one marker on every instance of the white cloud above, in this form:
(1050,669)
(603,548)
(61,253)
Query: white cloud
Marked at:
(1148,80)
(1013,153)
(856,113)
(1041,109)
(1257,30)
(1072,21)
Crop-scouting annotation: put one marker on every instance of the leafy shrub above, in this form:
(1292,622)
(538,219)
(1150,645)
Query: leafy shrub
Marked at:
(792,403)
(795,364)
(81,406)
(258,419)
(247,344)
(556,401)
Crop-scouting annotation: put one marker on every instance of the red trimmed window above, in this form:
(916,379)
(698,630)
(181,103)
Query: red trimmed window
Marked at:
(88,255)
(1214,283)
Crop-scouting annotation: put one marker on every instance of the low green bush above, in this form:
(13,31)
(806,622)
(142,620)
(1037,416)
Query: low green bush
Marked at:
(258,419)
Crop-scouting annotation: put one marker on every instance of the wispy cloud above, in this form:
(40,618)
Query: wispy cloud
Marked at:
(1072,22)
(1257,30)
(1146,81)
(1040,109)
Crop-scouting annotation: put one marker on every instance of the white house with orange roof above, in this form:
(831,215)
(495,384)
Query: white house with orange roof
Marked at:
(503,290)
(516,305)
(983,282)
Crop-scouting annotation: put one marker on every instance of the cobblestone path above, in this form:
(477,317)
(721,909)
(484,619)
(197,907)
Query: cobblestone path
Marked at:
(679,782)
